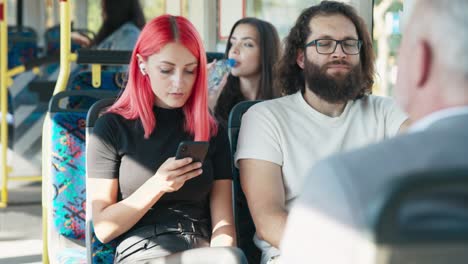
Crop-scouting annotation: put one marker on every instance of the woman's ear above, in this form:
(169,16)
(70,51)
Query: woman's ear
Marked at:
(141,64)
(142,67)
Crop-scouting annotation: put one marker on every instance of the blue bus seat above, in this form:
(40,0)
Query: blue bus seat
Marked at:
(110,81)
(424,219)
(67,195)
(52,45)
(244,223)
(22,45)
(52,39)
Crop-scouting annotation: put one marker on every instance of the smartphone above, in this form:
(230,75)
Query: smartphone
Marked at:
(194,149)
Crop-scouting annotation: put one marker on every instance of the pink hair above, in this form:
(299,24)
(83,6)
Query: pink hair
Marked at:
(138,99)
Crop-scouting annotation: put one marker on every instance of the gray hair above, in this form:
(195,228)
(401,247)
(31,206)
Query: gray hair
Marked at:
(447,23)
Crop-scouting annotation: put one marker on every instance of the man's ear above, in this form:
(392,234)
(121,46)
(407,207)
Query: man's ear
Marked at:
(426,61)
(300,58)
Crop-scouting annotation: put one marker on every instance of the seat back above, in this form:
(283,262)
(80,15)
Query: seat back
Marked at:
(22,45)
(425,219)
(110,81)
(66,195)
(52,40)
(96,251)
(244,224)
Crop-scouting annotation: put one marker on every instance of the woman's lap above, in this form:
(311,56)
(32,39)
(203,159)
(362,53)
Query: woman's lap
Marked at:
(144,244)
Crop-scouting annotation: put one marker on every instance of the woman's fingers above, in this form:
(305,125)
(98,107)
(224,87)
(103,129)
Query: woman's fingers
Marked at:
(174,168)
(172,164)
(189,175)
(187,168)
(173,173)
(209,65)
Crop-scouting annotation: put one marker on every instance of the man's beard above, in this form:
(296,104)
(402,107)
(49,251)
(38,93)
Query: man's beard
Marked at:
(333,89)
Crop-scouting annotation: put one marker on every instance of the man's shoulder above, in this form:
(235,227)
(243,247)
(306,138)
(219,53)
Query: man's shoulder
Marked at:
(374,102)
(275,105)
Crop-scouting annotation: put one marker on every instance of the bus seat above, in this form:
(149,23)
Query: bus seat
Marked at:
(244,223)
(110,81)
(425,219)
(66,196)
(22,45)
(97,252)
(52,39)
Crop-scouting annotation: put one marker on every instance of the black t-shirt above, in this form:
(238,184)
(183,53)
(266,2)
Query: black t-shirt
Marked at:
(117,149)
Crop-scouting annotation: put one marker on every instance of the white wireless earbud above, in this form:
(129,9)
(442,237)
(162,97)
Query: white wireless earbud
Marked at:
(142,68)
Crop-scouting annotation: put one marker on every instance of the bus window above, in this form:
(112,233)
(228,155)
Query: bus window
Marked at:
(387,35)
(278,12)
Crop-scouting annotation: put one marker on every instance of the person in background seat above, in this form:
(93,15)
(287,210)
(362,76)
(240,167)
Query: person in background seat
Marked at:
(121,26)
(255,45)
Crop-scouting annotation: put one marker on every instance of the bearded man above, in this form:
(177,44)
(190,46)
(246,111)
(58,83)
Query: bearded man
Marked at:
(327,73)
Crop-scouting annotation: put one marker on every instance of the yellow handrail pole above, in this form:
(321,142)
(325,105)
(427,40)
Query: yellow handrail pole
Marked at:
(96,75)
(16,70)
(65,58)
(4,99)
(65,47)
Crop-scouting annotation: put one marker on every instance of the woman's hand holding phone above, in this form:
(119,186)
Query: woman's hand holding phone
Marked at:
(172,174)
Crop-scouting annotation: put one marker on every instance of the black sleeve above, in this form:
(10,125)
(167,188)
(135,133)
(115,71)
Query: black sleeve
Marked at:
(102,156)
(221,156)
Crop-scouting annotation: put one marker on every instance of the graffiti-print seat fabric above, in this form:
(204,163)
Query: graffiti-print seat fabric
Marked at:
(68,186)
(66,195)
(68,174)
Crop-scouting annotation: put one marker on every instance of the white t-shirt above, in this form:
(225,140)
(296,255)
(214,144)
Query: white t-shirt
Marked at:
(289,132)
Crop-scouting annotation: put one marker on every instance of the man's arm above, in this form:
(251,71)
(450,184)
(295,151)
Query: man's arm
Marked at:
(262,183)
(222,218)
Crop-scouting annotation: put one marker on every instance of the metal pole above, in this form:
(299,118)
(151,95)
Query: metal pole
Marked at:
(4,99)
(65,58)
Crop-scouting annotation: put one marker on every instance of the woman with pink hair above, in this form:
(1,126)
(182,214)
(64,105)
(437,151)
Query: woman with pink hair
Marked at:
(151,203)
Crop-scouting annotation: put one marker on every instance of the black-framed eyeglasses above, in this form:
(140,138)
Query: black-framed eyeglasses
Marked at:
(328,46)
